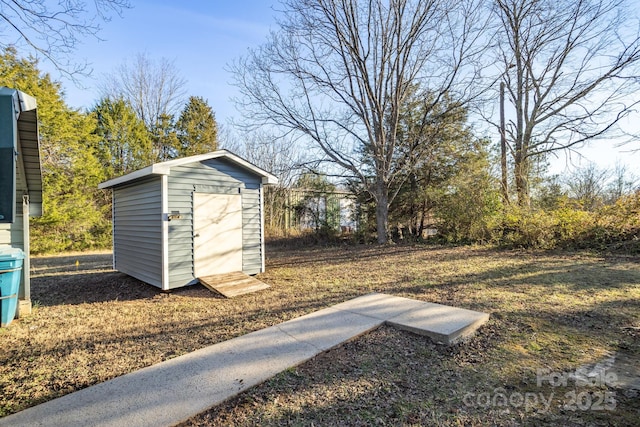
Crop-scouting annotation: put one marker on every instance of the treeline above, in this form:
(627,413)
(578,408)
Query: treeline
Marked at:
(453,187)
(458,199)
(455,195)
(80,149)
(590,208)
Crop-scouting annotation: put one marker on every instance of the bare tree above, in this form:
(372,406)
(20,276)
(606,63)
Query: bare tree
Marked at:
(156,92)
(569,68)
(54,29)
(279,156)
(622,182)
(588,185)
(154,89)
(337,73)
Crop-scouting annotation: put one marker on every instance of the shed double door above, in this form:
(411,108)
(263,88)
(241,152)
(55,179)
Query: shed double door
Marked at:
(217,233)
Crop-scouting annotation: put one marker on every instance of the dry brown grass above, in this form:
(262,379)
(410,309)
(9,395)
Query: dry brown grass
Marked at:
(555,311)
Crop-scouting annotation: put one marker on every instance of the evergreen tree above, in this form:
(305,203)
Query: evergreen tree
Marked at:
(75,211)
(470,202)
(125,144)
(436,150)
(165,143)
(196,128)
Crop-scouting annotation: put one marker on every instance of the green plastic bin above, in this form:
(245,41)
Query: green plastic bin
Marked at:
(10,272)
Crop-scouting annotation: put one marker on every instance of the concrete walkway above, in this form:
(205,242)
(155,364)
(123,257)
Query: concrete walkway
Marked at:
(173,391)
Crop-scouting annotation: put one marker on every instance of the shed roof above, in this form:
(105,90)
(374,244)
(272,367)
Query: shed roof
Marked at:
(164,168)
(26,107)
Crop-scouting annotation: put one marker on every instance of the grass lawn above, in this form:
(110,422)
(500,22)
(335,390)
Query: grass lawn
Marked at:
(552,313)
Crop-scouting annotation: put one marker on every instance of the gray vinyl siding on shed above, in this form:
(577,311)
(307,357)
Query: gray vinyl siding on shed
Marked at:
(251,232)
(137,230)
(216,176)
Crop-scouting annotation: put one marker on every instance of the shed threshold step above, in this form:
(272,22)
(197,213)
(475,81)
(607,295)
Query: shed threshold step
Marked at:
(232,284)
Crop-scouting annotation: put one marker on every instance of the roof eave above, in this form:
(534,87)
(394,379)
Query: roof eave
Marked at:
(165,169)
(141,173)
(29,142)
(270,180)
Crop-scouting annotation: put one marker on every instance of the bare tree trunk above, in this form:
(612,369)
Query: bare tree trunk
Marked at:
(348,68)
(571,74)
(503,149)
(422,219)
(382,212)
(521,172)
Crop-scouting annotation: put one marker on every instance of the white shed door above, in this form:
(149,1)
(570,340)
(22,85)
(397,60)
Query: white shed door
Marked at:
(217,226)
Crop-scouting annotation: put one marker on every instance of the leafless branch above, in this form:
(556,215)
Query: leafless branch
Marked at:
(338,73)
(569,67)
(54,29)
(153,88)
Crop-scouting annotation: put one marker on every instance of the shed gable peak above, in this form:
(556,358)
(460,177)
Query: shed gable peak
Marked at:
(164,168)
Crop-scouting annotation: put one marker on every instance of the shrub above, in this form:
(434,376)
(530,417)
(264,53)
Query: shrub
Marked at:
(571,225)
(617,226)
(468,215)
(613,227)
(523,228)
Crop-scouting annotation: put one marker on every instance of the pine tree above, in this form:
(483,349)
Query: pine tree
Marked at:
(197,128)
(165,143)
(125,143)
(75,211)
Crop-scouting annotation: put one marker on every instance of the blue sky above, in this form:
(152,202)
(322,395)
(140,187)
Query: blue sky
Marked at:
(202,37)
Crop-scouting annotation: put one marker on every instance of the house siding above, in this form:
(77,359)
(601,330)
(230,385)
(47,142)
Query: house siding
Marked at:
(216,176)
(28,199)
(137,230)
(13,233)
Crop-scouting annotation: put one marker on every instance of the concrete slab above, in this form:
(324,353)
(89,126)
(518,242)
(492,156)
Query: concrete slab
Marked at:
(175,390)
(440,322)
(379,306)
(325,329)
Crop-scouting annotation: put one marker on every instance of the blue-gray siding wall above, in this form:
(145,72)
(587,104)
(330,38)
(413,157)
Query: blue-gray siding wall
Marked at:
(212,176)
(13,233)
(137,230)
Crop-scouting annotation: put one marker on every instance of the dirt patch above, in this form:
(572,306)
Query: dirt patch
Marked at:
(78,278)
(550,312)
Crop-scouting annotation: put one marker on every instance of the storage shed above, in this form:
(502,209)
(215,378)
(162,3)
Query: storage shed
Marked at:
(20,179)
(197,216)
